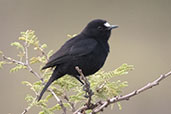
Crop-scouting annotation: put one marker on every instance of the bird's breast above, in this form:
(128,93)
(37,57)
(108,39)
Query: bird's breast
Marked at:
(91,62)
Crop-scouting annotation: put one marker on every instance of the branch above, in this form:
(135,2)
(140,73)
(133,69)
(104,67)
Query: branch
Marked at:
(13,60)
(58,100)
(26,63)
(37,75)
(43,52)
(99,106)
(28,108)
(71,104)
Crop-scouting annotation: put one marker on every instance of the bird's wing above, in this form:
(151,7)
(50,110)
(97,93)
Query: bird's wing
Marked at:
(83,47)
(71,48)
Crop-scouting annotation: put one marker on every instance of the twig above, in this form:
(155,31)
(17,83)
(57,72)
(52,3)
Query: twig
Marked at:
(101,86)
(26,52)
(58,100)
(43,52)
(71,104)
(13,60)
(100,106)
(28,108)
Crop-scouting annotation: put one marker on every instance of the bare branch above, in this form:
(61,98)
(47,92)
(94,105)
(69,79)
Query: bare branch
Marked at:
(99,106)
(13,60)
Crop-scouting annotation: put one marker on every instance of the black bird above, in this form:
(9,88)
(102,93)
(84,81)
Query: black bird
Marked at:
(88,50)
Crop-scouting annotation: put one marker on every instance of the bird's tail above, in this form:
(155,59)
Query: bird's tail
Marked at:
(54,77)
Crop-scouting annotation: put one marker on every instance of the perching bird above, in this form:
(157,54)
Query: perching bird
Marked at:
(88,50)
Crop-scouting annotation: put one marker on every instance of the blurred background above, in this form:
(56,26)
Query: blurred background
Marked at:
(143,40)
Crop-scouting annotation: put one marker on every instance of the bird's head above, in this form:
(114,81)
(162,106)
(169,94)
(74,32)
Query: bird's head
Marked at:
(99,28)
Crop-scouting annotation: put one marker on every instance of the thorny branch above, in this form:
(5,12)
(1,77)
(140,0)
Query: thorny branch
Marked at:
(99,106)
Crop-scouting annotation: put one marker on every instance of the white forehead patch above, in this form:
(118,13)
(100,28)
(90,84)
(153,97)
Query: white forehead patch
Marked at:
(107,24)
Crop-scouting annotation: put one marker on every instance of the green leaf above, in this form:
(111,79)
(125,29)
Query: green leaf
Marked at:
(2,63)
(1,52)
(36,88)
(42,103)
(119,105)
(22,38)
(27,83)
(71,36)
(34,60)
(50,53)
(48,97)
(18,45)
(17,68)
(88,111)
(56,107)
(123,69)
(46,111)
(43,46)
(29,98)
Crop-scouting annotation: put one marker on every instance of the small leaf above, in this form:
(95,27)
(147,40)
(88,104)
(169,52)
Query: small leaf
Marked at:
(29,98)
(17,68)
(56,107)
(50,53)
(44,46)
(48,97)
(36,88)
(34,60)
(71,36)
(42,103)
(27,83)
(119,105)
(22,38)
(18,45)
(1,52)
(123,69)
(2,63)
(46,111)
(35,48)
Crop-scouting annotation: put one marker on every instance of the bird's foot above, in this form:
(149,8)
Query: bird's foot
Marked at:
(88,91)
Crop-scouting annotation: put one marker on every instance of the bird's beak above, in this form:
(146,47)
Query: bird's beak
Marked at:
(113,26)
(110,27)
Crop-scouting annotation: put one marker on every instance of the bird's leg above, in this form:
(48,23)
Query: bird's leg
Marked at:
(86,87)
(78,78)
(84,81)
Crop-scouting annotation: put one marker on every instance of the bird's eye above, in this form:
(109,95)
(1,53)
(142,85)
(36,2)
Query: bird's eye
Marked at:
(99,27)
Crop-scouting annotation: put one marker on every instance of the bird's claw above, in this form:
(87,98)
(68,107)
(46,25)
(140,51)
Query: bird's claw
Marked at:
(88,91)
